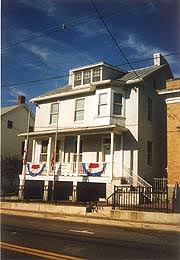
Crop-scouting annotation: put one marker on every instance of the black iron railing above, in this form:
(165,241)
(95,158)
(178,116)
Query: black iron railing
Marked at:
(140,198)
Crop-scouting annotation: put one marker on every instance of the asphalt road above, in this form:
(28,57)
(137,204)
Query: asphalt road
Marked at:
(33,238)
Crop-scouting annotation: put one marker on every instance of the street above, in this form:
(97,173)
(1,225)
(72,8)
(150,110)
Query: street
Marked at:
(35,238)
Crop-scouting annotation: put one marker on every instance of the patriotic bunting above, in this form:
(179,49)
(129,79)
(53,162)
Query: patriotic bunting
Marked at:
(94,169)
(35,169)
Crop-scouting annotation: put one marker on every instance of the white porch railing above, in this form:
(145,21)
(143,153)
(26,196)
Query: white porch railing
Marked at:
(69,169)
(134,179)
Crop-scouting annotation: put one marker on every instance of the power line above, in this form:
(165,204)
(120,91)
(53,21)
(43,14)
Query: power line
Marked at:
(56,28)
(64,26)
(112,37)
(66,75)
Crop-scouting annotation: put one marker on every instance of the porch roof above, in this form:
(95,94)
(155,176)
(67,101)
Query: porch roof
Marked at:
(79,130)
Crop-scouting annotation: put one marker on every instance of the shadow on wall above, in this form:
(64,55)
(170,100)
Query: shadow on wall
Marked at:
(176,198)
(11,167)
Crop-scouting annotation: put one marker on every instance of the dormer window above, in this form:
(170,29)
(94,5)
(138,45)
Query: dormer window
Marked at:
(86,76)
(77,78)
(96,74)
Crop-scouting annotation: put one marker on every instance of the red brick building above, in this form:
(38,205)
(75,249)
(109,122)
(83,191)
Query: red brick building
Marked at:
(172,98)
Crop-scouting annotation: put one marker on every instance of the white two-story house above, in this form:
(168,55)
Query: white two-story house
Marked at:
(104,128)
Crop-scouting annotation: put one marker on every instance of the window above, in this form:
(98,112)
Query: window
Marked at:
(86,76)
(102,105)
(117,104)
(54,113)
(9,124)
(149,153)
(96,74)
(149,109)
(77,78)
(79,109)
(44,147)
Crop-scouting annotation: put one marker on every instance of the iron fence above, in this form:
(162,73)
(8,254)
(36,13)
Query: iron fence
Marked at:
(140,198)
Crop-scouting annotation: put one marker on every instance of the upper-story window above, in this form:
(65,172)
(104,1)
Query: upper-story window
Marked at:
(102,105)
(77,78)
(79,109)
(149,115)
(9,124)
(96,74)
(54,113)
(117,104)
(86,76)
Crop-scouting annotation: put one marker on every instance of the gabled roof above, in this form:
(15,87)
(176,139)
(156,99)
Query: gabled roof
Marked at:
(5,110)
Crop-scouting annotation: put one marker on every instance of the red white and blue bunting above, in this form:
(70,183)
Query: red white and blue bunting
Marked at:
(35,169)
(94,169)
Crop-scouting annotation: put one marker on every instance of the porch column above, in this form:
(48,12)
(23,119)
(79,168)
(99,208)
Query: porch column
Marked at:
(45,194)
(112,154)
(33,150)
(122,157)
(74,193)
(78,153)
(49,156)
(22,180)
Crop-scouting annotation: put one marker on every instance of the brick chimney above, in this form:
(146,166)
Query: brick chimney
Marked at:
(21,100)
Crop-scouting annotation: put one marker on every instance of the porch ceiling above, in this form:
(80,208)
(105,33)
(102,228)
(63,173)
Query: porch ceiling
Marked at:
(80,130)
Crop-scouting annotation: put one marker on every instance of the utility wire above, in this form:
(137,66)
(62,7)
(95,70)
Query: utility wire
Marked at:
(113,38)
(66,75)
(64,26)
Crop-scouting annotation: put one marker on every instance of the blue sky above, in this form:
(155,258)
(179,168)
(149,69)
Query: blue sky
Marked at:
(45,38)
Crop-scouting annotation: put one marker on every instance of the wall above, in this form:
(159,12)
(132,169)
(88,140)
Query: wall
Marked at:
(173,139)
(151,131)
(11,144)
(67,109)
(130,139)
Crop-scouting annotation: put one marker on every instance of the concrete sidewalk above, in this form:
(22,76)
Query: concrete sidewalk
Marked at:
(103,216)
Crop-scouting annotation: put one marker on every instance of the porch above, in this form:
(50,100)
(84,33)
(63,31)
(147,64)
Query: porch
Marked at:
(82,155)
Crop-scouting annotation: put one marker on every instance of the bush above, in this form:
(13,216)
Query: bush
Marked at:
(11,167)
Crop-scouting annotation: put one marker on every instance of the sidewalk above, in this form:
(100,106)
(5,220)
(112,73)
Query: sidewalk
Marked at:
(104,215)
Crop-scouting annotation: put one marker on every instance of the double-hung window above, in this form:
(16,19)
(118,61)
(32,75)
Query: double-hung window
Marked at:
(102,105)
(77,78)
(86,76)
(54,113)
(79,109)
(44,148)
(117,104)
(96,74)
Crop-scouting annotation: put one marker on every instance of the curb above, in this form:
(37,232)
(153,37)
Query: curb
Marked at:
(93,220)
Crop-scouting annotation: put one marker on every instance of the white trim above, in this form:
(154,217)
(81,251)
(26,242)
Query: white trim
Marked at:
(79,129)
(168,91)
(173,100)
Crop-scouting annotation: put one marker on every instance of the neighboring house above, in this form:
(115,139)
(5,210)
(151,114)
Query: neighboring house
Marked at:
(104,128)
(14,120)
(172,97)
